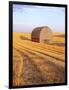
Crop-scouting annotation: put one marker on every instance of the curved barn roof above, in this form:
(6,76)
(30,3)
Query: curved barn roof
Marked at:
(37,30)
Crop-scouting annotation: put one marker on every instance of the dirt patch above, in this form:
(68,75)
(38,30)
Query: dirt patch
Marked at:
(59,44)
(60,35)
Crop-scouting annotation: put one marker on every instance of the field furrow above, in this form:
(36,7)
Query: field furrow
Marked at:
(60,57)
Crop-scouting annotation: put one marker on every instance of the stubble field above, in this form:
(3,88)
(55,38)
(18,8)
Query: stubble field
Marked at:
(37,63)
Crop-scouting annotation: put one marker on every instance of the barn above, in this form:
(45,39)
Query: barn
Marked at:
(42,34)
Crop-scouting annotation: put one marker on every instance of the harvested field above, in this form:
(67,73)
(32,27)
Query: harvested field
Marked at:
(37,63)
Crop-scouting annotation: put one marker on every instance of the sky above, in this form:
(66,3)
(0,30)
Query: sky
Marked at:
(27,17)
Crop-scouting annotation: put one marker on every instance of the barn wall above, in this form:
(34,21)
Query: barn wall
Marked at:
(46,35)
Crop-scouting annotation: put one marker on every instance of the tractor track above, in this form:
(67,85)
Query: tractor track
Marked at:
(40,71)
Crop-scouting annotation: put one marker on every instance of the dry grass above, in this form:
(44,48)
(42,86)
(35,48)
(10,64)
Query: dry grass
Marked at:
(37,63)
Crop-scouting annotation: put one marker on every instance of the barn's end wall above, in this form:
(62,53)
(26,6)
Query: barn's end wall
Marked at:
(46,35)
